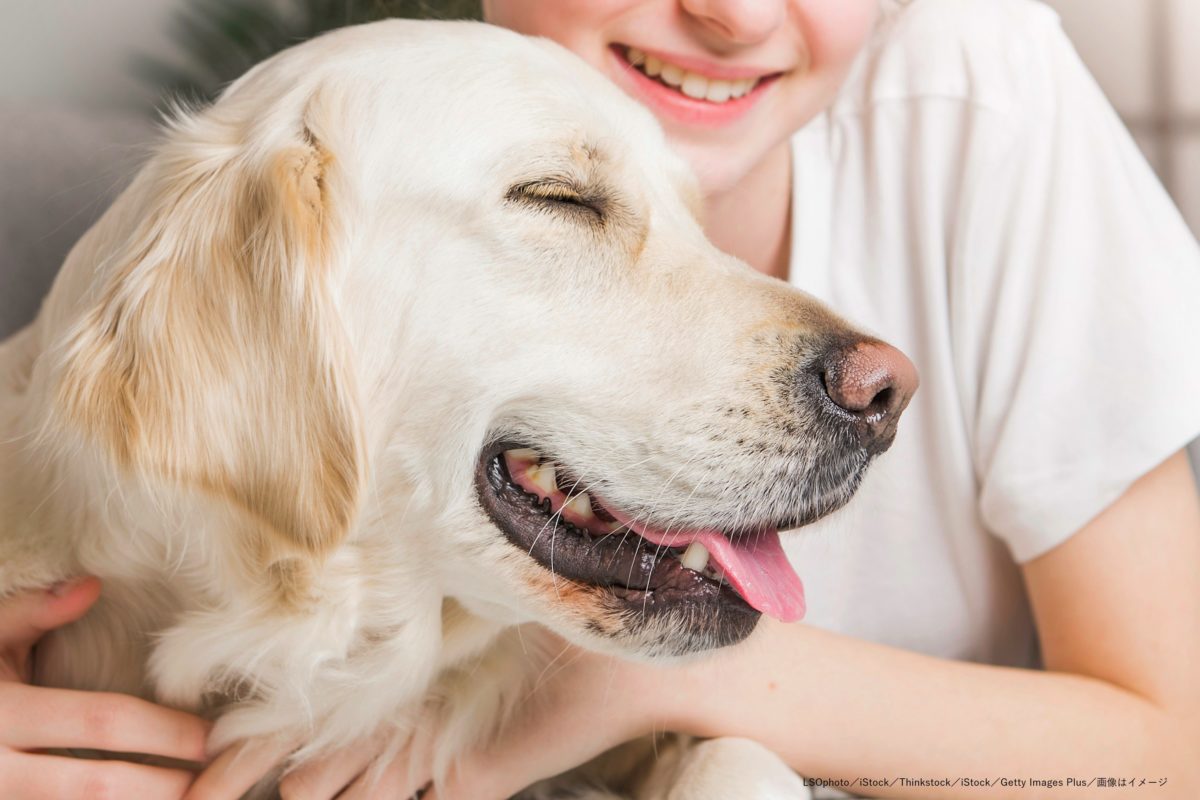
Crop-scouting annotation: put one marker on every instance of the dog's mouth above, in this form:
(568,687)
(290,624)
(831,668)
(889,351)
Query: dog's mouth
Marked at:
(543,509)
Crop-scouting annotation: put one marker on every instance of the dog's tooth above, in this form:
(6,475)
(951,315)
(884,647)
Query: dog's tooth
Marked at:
(524,455)
(581,506)
(695,557)
(653,66)
(635,56)
(694,86)
(542,476)
(671,75)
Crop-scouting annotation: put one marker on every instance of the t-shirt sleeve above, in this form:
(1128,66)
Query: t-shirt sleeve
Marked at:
(1076,292)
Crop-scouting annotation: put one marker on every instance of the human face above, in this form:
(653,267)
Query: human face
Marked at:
(785,58)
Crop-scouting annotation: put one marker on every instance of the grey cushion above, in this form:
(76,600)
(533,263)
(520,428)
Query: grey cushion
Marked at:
(59,169)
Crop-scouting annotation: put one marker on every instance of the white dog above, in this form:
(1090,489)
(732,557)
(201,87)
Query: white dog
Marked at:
(413,337)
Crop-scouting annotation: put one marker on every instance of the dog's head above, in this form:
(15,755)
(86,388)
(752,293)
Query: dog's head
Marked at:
(439,293)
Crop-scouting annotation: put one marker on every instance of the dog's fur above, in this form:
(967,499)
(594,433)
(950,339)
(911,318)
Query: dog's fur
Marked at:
(254,401)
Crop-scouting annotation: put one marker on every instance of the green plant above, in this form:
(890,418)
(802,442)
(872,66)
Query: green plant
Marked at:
(221,39)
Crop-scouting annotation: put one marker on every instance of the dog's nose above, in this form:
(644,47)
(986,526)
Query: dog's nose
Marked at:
(870,383)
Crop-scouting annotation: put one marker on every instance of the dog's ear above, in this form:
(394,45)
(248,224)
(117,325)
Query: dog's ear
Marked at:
(213,354)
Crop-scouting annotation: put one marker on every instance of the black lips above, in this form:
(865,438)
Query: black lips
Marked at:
(638,576)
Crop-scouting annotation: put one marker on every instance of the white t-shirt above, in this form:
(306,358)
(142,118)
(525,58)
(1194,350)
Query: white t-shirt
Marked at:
(973,199)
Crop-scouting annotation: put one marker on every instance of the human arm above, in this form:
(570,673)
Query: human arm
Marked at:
(1118,610)
(34,718)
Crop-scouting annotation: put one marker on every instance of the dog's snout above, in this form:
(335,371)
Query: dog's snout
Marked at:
(869,382)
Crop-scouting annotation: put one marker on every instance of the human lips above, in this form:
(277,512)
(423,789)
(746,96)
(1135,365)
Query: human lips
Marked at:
(692,90)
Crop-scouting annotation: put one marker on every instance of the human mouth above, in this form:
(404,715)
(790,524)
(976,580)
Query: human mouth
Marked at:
(693,84)
(687,90)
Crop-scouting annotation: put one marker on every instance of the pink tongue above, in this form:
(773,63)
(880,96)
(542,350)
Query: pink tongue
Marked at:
(756,567)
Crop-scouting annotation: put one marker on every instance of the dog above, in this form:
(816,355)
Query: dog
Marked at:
(411,338)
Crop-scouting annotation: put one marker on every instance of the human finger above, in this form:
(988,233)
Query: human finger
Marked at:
(237,769)
(400,780)
(324,778)
(28,616)
(538,747)
(37,717)
(37,777)
(405,774)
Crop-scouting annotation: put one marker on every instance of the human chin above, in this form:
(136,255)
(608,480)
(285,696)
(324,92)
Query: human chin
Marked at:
(718,167)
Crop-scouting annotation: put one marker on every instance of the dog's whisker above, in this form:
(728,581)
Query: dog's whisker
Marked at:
(611,677)
(645,515)
(552,519)
(545,674)
(659,548)
(553,572)
(588,487)
(521,640)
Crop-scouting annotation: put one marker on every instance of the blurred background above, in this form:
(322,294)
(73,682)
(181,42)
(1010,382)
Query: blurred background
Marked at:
(1146,54)
(112,54)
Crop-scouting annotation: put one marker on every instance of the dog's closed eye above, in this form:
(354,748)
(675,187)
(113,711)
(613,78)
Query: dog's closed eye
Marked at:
(559,195)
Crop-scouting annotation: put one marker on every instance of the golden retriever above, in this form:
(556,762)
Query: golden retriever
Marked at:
(411,338)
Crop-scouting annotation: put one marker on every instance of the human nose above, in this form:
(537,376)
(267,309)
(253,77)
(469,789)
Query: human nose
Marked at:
(740,21)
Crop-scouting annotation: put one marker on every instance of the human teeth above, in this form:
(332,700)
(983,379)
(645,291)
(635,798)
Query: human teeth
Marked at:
(542,476)
(694,86)
(695,557)
(580,505)
(718,91)
(691,84)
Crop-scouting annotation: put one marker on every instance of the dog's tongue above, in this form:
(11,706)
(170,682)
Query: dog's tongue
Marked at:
(755,565)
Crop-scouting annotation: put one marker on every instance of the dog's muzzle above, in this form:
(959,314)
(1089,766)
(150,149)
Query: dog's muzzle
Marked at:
(700,571)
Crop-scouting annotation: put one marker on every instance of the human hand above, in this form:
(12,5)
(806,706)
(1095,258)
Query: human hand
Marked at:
(370,769)
(585,704)
(568,718)
(34,718)
(581,705)
(367,771)
(346,774)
